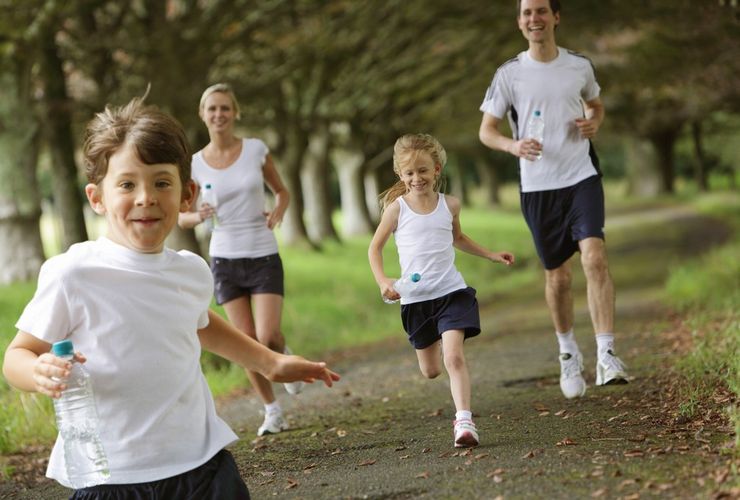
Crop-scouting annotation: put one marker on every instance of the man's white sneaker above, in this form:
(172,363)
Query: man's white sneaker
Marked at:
(610,370)
(466,435)
(293,388)
(274,423)
(571,378)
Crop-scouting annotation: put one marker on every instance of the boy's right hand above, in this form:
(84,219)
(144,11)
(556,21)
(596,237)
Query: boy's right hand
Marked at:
(50,372)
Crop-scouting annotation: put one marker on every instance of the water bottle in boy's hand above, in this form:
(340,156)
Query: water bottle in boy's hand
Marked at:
(404,285)
(77,421)
(537,130)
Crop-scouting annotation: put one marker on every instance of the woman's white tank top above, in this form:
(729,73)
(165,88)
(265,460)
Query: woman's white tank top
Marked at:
(240,188)
(424,243)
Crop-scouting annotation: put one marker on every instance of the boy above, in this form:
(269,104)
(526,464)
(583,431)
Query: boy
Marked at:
(139,311)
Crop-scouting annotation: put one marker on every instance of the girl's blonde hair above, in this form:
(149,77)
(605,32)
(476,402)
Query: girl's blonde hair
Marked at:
(223,88)
(405,151)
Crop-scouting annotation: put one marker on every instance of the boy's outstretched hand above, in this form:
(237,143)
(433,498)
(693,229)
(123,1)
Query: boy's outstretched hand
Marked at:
(292,368)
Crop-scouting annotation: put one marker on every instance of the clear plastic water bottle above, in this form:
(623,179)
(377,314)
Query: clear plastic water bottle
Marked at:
(209,196)
(77,421)
(537,130)
(404,285)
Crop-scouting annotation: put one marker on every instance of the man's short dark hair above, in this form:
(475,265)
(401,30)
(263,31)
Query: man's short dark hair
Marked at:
(554,6)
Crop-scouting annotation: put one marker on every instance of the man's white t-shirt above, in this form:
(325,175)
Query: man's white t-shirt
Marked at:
(557,89)
(424,243)
(240,188)
(135,317)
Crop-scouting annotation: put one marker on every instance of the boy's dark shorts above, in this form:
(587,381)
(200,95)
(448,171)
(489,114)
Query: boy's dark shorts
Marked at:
(217,479)
(234,278)
(558,219)
(426,321)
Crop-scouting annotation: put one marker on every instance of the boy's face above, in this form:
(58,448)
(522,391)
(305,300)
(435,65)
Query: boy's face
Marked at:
(140,202)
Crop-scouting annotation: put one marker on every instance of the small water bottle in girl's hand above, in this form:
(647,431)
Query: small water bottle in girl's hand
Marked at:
(404,286)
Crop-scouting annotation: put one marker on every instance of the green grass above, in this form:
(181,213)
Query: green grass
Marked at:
(707,291)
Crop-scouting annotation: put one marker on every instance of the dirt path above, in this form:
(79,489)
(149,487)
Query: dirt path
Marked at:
(385,432)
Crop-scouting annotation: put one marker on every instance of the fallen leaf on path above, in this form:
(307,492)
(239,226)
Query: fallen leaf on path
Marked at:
(367,462)
(336,452)
(633,453)
(310,466)
(435,413)
(544,413)
(560,413)
(598,493)
(292,483)
(529,455)
(426,450)
(566,442)
(497,479)
(481,455)
(423,475)
(267,473)
(400,448)
(404,457)
(341,433)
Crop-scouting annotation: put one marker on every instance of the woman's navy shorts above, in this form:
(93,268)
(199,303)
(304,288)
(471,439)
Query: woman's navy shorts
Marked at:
(234,278)
(217,479)
(426,321)
(558,219)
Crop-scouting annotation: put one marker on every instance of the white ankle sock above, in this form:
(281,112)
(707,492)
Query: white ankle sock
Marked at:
(464,415)
(273,408)
(604,343)
(567,342)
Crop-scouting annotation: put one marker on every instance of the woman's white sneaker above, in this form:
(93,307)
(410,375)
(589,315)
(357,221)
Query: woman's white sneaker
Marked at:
(571,375)
(274,423)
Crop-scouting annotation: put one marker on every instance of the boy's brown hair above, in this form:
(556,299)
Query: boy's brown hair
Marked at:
(155,136)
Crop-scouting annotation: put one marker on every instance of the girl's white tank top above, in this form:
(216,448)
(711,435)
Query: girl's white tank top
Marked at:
(424,243)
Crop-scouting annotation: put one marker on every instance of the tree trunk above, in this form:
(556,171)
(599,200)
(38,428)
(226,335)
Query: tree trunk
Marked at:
(355,215)
(315,178)
(700,162)
(663,142)
(642,178)
(293,229)
(488,180)
(67,194)
(21,253)
(455,184)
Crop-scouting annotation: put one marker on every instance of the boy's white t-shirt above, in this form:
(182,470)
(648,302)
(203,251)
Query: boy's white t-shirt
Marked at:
(240,188)
(557,89)
(135,317)
(424,243)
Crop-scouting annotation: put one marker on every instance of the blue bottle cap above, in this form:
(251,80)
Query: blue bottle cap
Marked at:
(63,348)
(208,186)
(415,277)
(537,113)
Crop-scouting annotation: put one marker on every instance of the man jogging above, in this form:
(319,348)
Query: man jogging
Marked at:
(562,198)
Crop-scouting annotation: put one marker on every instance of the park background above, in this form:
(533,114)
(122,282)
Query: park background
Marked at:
(329,86)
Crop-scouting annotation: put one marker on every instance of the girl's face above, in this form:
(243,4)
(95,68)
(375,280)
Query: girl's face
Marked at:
(140,202)
(218,112)
(420,174)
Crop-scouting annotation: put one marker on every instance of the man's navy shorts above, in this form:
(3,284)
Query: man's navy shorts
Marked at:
(234,278)
(426,321)
(558,219)
(217,479)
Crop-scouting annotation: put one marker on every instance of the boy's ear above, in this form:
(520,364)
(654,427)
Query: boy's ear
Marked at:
(95,198)
(188,195)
